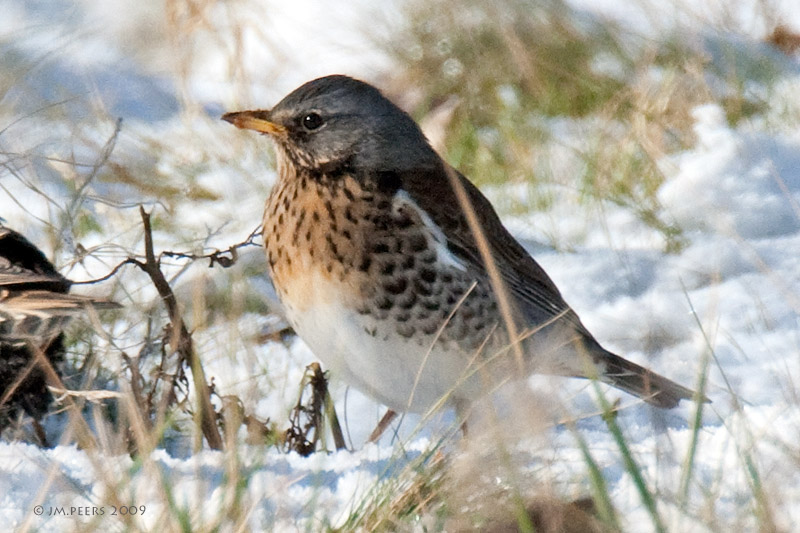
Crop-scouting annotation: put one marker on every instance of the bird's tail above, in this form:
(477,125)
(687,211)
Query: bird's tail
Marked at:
(646,384)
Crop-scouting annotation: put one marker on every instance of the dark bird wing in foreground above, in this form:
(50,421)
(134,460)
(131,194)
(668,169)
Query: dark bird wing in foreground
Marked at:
(35,307)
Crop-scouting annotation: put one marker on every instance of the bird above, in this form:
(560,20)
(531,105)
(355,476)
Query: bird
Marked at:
(397,271)
(35,307)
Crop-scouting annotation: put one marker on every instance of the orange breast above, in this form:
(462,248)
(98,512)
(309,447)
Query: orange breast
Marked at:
(312,238)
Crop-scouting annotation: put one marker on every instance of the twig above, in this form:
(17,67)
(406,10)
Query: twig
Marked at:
(217,255)
(320,384)
(128,261)
(181,340)
(320,405)
(78,196)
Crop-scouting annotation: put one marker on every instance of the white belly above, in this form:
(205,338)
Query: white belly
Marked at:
(403,374)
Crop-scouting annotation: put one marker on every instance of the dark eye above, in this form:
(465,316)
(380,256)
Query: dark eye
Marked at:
(312,121)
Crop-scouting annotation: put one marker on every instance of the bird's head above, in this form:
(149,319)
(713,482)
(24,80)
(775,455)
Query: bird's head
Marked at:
(337,122)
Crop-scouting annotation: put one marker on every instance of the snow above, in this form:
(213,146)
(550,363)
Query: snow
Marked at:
(731,295)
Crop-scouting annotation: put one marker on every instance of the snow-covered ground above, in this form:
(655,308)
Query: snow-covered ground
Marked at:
(71,68)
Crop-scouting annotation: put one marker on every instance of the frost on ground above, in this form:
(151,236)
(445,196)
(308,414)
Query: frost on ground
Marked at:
(730,297)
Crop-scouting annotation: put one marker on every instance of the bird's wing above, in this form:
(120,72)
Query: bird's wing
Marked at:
(34,304)
(24,266)
(52,302)
(532,290)
(15,277)
(38,315)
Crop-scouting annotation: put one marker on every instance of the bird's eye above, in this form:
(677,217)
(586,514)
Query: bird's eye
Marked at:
(312,121)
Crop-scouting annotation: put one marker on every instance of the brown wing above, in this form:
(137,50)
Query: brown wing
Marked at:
(34,304)
(41,315)
(534,292)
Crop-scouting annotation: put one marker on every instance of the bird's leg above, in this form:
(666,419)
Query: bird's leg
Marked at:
(387,419)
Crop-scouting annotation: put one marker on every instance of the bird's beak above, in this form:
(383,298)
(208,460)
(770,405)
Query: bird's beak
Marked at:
(255,120)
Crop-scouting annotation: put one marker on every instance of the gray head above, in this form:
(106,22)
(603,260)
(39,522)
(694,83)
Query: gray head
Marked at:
(337,122)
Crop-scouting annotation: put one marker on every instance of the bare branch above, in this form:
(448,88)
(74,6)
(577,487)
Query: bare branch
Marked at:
(181,340)
(128,261)
(218,256)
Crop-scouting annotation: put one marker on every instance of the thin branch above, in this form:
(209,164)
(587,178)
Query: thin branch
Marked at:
(128,261)
(224,258)
(181,340)
(218,256)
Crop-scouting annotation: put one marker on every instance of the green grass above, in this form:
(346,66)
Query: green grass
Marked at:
(512,68)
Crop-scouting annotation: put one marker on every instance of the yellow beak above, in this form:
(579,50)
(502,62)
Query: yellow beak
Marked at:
(256,121)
